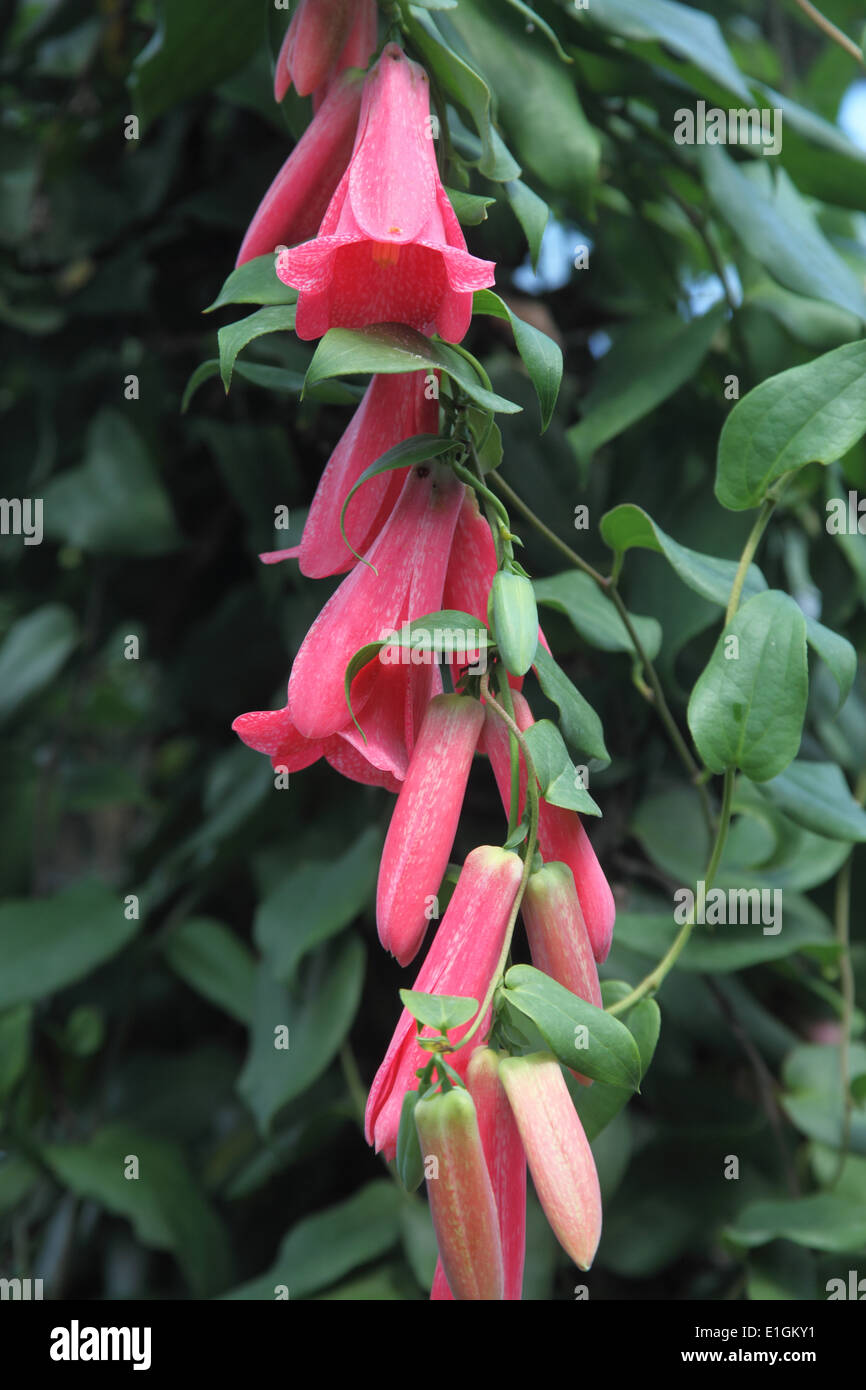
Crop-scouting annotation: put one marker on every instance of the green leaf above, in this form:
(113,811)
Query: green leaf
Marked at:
(627,526)
(320,1249)
(194,48)
(464,86)
(598,1104)
(114,503)
(541,356)
(691,34)
(442,1011)
(34,650)
(649,360)
(393,347)
(747,707)
(605,1051)
(470,209)
(254,282)
(808,414)
(812,1095)
(536,22)
(165,1205)
(234,337)
(48,943)
(447,633)
(777,227)
(531,212)
(418,449)
(728,946)
(410,1162)
(836,652)
(536,97)
(817,796)
(580,723)
(313,1019)
(213,961)
(594,616)
(820,1221)
(14,1045)
(557,776)
(314,902)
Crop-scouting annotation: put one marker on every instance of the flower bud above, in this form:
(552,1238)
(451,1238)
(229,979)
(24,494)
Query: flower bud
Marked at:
(558,939)
(424,822)
(557,1150)
(461,1195)
(515,620)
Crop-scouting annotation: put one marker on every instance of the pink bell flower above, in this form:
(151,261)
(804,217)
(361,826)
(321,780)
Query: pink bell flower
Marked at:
(403,579)
(390,248)
(461,960)
(424,822)
(561,835)
(557,1150)
(296,201)
(393,409)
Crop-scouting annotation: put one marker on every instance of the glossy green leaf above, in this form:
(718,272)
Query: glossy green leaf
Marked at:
(442,1011)
(410,1162)
(471,209)
(627,526)
(817,796)
(580,723)
(819,1220)
(813,413)
(579,1034)
(222,39)
(531,212)
(748,704)
(393,347)
(766,928)
(594,616)
(557,776)
(254,282)
(542,357)
(812,1094)
(234,337)
(690,33)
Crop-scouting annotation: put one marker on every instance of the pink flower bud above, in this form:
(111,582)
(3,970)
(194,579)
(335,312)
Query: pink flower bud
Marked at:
(461,1197)
(424,822)
(561,835)
(312,45)
(557,1150)
(461,960)
(558,940)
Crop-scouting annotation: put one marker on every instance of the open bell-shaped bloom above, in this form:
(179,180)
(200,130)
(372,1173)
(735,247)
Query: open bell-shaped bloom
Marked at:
(390,248)
(506,1164)
(424,822)
(317,33)
(296,201)
(561,835)
(403,579)
(394,408)
(557,1150)
(461,960)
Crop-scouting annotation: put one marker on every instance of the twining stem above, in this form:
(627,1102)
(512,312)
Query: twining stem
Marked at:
(531,841)
(748,556)
(650,983)
(608,587)
(829,28)
(842,918)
